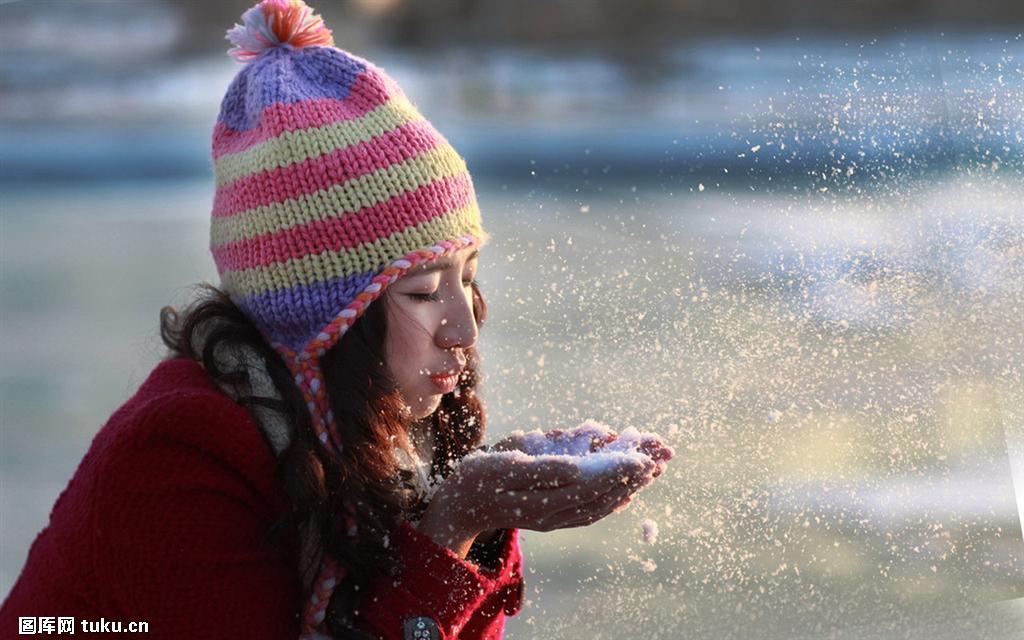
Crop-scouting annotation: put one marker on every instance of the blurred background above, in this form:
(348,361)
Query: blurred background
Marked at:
(787,236)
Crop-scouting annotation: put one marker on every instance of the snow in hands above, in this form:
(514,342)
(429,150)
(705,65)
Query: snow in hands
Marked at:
(592,447)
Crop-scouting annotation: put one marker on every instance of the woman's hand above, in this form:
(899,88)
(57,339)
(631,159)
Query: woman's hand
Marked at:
(501,492)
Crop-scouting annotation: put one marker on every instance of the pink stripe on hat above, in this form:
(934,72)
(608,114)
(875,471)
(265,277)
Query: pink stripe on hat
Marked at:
(350,230)
(322,172)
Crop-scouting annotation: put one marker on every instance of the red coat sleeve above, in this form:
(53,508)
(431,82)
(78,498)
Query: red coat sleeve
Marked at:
(182,507)
(464,600)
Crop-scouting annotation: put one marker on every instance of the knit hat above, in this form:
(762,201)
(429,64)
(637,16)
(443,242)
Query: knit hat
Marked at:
(330,186)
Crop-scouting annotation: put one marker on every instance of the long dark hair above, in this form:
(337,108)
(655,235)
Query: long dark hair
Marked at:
(368,412)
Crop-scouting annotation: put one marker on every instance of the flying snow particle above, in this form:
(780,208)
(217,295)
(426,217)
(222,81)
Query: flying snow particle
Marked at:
(650,531)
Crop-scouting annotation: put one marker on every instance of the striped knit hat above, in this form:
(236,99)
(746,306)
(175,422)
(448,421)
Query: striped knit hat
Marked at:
(330,186)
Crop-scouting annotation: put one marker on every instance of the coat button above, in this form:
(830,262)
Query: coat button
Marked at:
(420,627)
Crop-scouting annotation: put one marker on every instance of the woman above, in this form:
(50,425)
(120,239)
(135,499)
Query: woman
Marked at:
(294,467)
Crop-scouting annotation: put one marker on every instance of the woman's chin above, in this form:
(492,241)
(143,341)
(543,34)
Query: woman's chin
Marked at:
(425,406)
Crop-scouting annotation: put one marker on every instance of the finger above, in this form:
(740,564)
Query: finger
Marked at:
(626,478)
(532,509)
(606,504)
(541,504)
(658,466)
(590,512)
(661,466)
(652,445)
(555,509)
(591,519)
(634,472)
(535,502)
(601,503)
(599,442)
(513,442)
(536,474)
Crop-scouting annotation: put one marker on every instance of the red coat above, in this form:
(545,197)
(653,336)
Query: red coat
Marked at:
(163,522)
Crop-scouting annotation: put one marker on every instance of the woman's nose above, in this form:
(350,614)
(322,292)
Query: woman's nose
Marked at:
(458,324)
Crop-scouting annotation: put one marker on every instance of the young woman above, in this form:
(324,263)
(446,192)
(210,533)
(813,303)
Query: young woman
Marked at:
(295,466)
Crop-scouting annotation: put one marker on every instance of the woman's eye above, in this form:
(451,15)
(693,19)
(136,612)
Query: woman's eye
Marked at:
(435,295)
(425,297)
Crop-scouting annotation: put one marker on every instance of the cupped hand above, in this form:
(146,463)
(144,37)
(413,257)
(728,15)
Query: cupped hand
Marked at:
(499,491)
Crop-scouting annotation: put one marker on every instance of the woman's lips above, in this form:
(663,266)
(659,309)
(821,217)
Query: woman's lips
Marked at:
(446,383)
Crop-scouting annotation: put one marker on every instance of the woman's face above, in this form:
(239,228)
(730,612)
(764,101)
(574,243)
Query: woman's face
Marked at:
(430,325)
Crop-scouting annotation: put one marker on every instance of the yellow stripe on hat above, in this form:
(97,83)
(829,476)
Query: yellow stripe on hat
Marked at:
(297,146)
(337,200)
(370,257)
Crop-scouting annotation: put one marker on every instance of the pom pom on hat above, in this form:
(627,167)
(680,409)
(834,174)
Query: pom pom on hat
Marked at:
(272,23)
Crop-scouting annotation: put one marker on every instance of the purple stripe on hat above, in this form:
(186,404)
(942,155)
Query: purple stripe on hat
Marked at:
(284,75)
(298,313)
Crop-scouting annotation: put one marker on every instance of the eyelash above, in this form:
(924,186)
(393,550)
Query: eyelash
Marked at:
(432,297)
